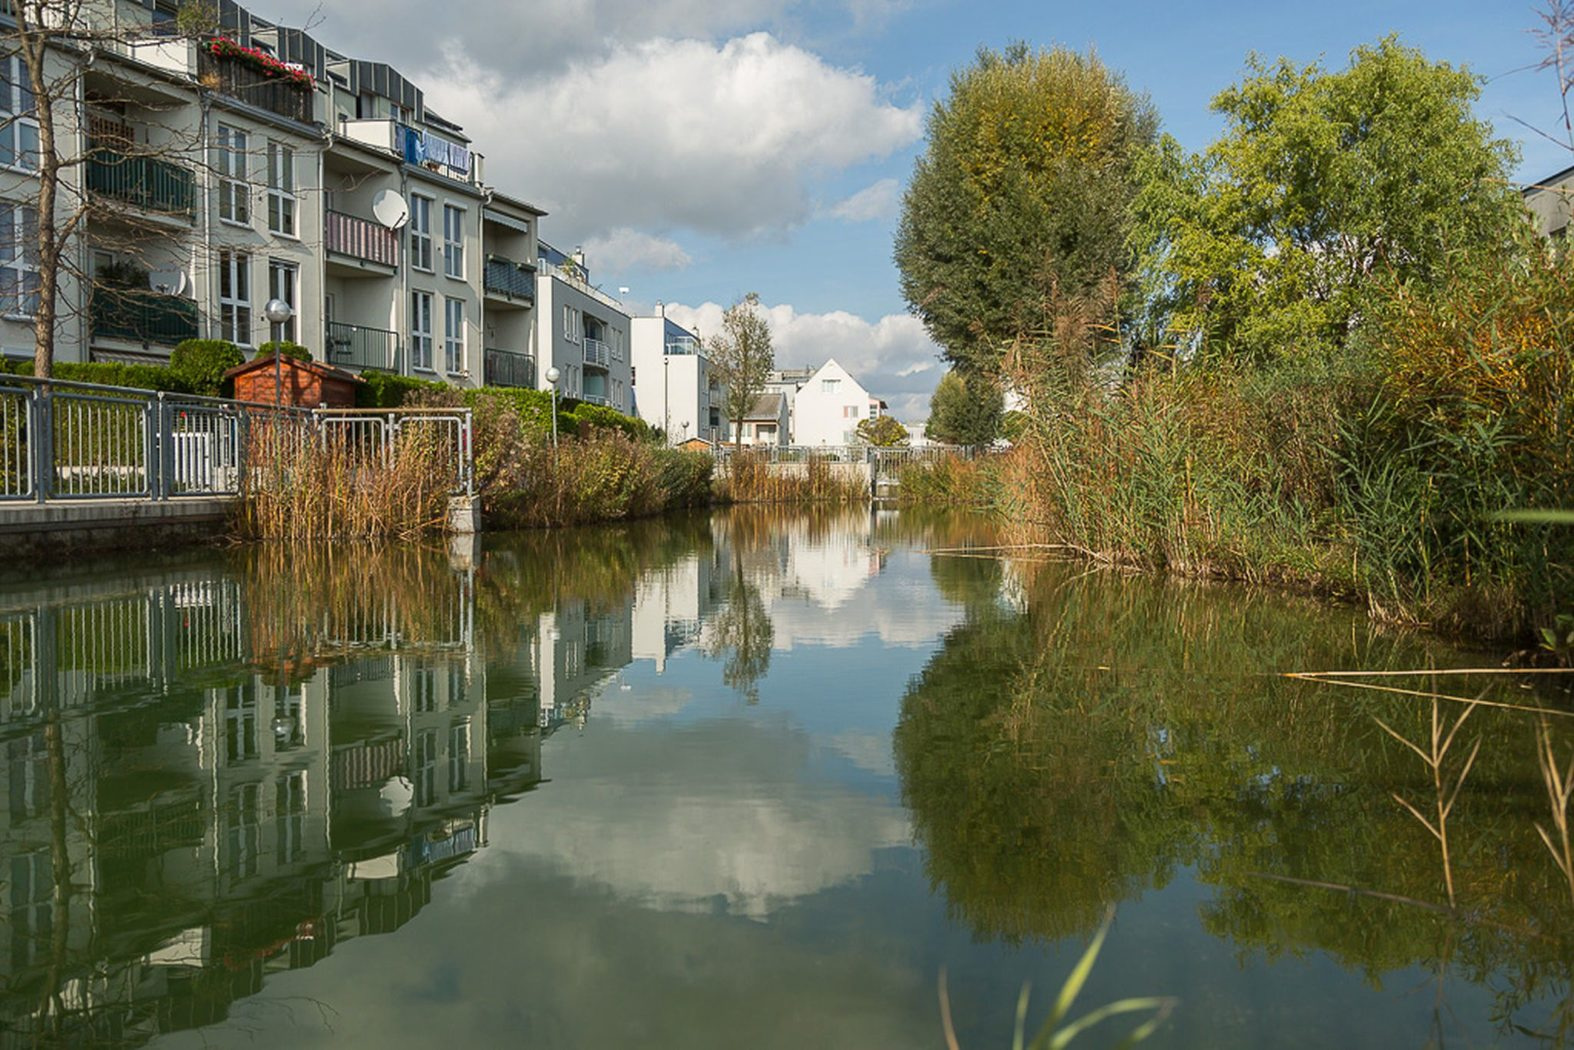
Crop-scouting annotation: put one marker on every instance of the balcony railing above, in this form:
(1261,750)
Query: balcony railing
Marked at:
(356,346)
(595,352)
(510,279)
(595,399)
(362,238)
(508,368)
(240,80)
(143,182)
(682,346)
(143,317)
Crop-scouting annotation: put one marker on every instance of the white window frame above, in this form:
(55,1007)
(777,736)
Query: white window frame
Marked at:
(454,241)
(453,335)
(235,296)
(571,324)
(829,386)
(421,331)
(18,259)
(421,232)
(281,188)
(234,189)
(284,283)
(18,131)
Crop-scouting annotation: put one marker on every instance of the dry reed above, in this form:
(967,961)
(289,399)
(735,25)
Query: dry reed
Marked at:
(750,477)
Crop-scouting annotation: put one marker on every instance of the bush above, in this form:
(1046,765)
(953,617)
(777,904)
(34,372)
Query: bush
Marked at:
(285,348)
(106,373)
(587,416)
(386,390)
(201,364)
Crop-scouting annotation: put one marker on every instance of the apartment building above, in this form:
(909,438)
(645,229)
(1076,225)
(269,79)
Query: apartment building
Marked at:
(581,331)
(677,389)
(252,164)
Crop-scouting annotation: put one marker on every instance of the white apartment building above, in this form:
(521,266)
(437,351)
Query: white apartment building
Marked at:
(826,405)
(674,385)
(256,164)
(582,331)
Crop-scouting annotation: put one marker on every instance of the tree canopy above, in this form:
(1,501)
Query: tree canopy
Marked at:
(1021,197)
(882,432)
(742,358)
(965,410)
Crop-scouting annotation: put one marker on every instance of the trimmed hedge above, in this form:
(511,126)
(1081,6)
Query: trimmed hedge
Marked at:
(201,364)
(386,390)
(285,347)
(107,373)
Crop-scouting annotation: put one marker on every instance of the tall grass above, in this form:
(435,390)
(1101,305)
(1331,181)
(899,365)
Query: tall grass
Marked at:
(750,477)
(301,483)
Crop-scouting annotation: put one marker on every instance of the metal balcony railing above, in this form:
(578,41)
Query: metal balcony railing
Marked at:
(509,368)
(143,317)
(241,80)
(357,346)
(596,399)
(362,238)
(510,279)
(143,182)
(595,352)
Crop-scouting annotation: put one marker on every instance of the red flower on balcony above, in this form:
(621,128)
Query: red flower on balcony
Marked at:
(224,47)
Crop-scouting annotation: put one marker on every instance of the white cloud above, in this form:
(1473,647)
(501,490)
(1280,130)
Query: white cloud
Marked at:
(622,249)
(878,201)
(677,134)
(894,358)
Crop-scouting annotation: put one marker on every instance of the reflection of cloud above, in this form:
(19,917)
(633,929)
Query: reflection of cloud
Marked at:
(681,818)
(868,751)
(898,609)
(638,704)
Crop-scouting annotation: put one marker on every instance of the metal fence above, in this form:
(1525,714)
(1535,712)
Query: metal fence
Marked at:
(81,441)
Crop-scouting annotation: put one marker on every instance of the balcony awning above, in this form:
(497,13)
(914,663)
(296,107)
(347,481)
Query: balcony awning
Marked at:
(504,220)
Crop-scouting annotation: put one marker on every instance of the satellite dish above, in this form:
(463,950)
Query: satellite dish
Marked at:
(389,208)
(167,282)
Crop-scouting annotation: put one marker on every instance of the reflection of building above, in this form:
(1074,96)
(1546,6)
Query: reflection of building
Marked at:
(669,605)
(577,649)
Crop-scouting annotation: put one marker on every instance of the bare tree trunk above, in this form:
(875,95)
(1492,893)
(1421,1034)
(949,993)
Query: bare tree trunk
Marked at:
(34,46)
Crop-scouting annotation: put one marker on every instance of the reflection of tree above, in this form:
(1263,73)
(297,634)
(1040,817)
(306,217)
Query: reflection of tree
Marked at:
(742,633)
(1061,759)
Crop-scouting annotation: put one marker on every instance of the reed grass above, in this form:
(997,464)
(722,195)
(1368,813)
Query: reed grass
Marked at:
(1559,781)
(750,477)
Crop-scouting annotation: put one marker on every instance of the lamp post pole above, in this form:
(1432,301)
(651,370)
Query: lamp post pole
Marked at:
(553,375)
(277,311)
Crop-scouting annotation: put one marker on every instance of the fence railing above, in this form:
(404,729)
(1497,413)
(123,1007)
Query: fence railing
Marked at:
(595,352)
(142,316)
(509,279)
(352,235)
(357,346)
(143,182)
(509,368)
(63,440)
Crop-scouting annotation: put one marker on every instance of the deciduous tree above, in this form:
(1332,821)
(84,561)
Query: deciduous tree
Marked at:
(742,357)
(965,410)
(882,432)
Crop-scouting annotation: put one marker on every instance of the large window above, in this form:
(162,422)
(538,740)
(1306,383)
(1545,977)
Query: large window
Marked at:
(18,259)
(281,189)
(571,324)
(234,193)
(421,330)
(235,297)
(283,278)
(18,125)
(453,241)
(421,233)
(453,335)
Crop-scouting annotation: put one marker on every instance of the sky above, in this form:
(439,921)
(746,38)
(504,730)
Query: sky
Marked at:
(700,150)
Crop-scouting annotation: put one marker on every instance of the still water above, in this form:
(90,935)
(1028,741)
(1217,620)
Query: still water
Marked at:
(751,780)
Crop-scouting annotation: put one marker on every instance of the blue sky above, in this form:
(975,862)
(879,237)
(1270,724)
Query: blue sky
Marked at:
(700,150)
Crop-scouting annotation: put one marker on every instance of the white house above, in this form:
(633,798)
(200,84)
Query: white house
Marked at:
(675,387)
(829,405)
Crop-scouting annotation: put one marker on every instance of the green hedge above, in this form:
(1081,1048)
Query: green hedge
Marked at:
(107,373)
(385,390)
(284,347)
(201,364)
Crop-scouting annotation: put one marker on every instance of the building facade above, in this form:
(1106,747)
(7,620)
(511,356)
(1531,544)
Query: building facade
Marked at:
(827,405)
(581,331)
(676,389)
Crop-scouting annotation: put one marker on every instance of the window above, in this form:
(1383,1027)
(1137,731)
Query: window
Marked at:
(453,241)
(282,278)
(18,259)
(849,411)
(571,324)
(425,777)
(828,386)
(453,335)
(243,831)
(18,127)
(421,330)
(421,233)
(458,755)
(235,297)
(234,194)
(289,815)
(281,189)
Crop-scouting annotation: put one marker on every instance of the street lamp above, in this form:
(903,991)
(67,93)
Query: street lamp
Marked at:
(553,375)
(277,311)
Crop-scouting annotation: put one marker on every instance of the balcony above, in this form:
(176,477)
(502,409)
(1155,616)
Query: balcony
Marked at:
(596,352)
(509,368)
(357,346)
(142,182)
(361,239)
(143,317)
(682,346)
(509,279)
(595,399)
(246,83)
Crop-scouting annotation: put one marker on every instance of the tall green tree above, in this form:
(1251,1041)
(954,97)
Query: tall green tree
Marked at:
(1021,199)
(742,358)
(1323,185)
(965,410)
(882,432)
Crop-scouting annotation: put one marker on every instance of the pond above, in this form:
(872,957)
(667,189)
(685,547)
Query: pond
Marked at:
(755,779)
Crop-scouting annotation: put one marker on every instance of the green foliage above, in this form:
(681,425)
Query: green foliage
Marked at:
(386,390)
(107,373)
(741,358)
(965,410)
(584,417)
(882,432)
(1020,197)
(284,347)
(201,364)
(1268,244)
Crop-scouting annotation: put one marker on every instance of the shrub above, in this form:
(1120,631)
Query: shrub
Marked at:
(386,390)
(106,373)
(201,364)
(285,348)
(587,416)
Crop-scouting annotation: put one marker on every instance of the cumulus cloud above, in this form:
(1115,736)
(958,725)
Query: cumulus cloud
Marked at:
(872,202)
(721,139)
(624,248)
(893,357)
